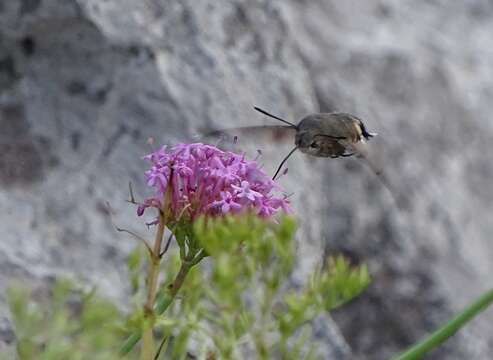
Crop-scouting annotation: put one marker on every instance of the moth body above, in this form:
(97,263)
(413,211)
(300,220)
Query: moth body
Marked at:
(330,134)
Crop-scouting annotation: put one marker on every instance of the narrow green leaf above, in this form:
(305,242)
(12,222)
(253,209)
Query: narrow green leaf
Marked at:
(129,344)
(450,328)
(163,301)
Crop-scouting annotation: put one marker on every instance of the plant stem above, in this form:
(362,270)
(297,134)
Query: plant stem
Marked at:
(161,306)
(166,299)
(162,303)
(450,328)
(154,266)
(180,278)
(147,348)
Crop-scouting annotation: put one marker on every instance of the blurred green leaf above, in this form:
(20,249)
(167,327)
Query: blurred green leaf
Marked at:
(339,282)
(238,301)
(65,323)
(438,337)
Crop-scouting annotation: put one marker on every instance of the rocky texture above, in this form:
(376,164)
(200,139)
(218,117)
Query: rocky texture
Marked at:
(84,83)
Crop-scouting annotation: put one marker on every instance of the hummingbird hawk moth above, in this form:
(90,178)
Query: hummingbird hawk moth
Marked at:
(326,135)
(329,135)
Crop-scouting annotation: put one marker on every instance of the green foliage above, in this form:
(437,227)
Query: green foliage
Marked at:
(238,304)
(339,283)
(134,263)
(66,323)
(331,286)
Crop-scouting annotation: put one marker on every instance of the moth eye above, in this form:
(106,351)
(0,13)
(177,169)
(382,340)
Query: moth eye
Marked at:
(314,145)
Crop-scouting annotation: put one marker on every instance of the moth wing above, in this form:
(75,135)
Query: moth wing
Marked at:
(249,135)
(362,151)
(375,165)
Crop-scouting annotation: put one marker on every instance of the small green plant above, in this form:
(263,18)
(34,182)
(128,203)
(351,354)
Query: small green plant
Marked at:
(219,205)
(65,323)
(241,300)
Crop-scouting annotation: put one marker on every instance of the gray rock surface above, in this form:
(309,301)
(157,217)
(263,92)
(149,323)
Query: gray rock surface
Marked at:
(84,83)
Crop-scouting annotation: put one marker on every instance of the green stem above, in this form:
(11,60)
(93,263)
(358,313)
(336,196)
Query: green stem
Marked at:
(450,328)
(164,301)
(180,278)
(147,347)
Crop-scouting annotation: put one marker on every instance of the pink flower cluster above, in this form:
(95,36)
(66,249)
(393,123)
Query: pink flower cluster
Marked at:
(198,179)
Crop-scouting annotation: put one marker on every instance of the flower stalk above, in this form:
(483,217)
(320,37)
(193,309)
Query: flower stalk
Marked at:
(147,349)
(153,274)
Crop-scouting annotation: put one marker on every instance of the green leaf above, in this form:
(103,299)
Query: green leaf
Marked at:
(134,259)
(163,301)
(63,323)
(338,283)
(130,343)
(448,329)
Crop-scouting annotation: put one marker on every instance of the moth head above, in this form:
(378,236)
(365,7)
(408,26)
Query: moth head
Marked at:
(367,135)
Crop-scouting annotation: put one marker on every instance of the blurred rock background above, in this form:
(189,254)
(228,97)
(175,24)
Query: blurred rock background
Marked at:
(84,83)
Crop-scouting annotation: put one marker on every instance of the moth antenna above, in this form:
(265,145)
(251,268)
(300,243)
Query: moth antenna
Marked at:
(283,161)
(275,117)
